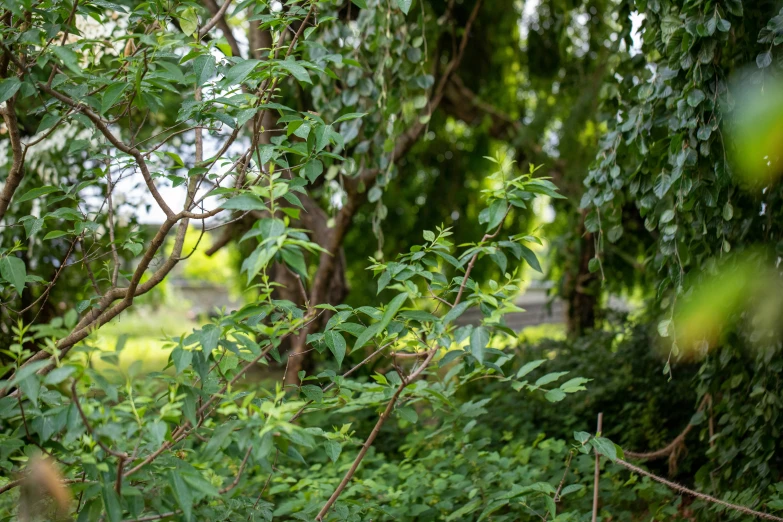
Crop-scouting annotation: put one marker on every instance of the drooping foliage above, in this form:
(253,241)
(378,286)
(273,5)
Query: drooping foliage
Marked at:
(681,157)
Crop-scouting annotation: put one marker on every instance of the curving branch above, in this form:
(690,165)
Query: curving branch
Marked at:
(216,18)
(222,24)
(373,434)
(16,172)
(104,129)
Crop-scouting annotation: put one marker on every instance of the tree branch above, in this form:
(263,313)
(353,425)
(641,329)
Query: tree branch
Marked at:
(216,18)
(104,129)
(374,433)
(16,173)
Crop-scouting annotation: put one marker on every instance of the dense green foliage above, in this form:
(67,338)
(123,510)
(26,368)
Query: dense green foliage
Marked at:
(375,182)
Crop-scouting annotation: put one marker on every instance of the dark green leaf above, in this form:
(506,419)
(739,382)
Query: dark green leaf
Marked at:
(8,88)
(529,256)
(111,502)
(182,493)
(238,72)
(605,447)
(13,270)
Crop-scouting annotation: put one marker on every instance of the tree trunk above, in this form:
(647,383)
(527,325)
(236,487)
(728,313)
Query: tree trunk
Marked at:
(581,288)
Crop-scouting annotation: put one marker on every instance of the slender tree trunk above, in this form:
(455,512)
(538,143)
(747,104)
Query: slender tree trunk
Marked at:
(581,288)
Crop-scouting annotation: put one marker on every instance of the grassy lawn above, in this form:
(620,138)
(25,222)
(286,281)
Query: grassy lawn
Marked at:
(144,333)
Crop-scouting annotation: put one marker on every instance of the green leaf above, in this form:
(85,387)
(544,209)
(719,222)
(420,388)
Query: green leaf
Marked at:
(37,193)
(217,441)
(188,21)
(333,449)
(238,72)
(409,414)
(663,327)
(582,436)
(181,358)
(111,95)
(728,211)
(366,335)
(68,57)
(58,375)
(13,270)
(294,258)
(574,385)
(201,484)
(111,501)
(571,488)
(529,256)
(33,226)
(204,67)
(362,4)
(245,202)
(418,315)
(464,510)
(296,70)
(695,97)
(383,281)
(549,378)
(54,234)
(182,493)
(392,308)
(555,395)
(529,367)
(313,393)
(551,506)
(313,169)
(8,88)
(479,338)
(764,59)
(210,335)
(455,312)
(605,447)
(350,116)
(404,5)
(336,344)
(47,122)
(31,387)
(497,211)
(615,233)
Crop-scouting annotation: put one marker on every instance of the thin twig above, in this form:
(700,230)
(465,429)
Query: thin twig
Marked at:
(367,443)
(239,473)
(346,374)
(701,496)
(110,221)
(472,262)
(214,20)
(597,474)
(556,498)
